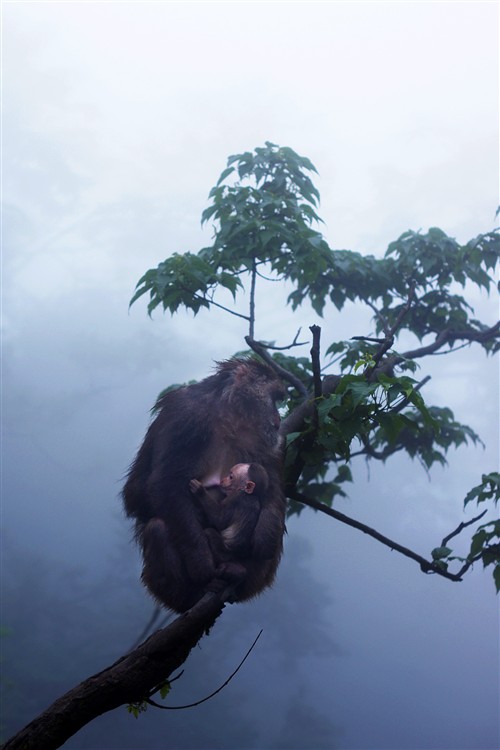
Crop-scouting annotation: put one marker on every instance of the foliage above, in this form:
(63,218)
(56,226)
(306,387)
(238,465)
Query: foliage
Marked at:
(485,543)
(140,707)
(263,210)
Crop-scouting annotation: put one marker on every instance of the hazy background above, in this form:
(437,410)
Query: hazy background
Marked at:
(117,120)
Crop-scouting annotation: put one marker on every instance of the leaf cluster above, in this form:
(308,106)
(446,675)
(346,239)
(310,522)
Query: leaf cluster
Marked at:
(263,216)
(371,418)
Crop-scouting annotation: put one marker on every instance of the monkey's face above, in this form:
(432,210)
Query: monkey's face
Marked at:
(260,402)
(237,480)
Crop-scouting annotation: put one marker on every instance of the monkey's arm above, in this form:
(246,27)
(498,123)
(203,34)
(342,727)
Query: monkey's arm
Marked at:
(215,510)
(237,536)
(268,533)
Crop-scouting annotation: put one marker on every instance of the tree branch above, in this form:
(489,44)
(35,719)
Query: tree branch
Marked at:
(315,356)
(221,307)
(382,455)
(425,565)
(294,422)
(385,325)
(449,334)
(260,349)
(390,333)
(126,681)
(289,346)
(461,527)
(253,278)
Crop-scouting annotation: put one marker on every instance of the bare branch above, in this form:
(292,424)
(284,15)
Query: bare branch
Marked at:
(425,565)
(315,356)
(461,527)
(253,277)
(221,307)
(368,338)
(289,346)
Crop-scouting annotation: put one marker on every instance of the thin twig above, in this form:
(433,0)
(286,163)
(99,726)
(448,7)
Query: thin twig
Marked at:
(461,527)
(385,325)
(253,277)
(207,698)
(471,562)
(406,399)
(221,307)
(285,348)
(372,453)
(367,338)
(389,339)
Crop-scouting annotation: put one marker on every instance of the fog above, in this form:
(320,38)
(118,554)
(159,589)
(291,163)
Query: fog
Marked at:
(117,120)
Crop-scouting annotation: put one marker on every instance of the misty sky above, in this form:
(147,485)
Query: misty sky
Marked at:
(117,120)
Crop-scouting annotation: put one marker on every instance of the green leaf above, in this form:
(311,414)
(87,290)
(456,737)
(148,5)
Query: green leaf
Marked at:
(496,577)
(478,541)
(225,174)
(207,213)
(439,553)
(487,490)
(165,689)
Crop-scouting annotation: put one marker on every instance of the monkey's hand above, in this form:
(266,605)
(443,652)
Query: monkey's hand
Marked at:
(196,487)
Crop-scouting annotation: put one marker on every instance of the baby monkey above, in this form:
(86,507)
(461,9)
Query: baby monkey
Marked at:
(233,518)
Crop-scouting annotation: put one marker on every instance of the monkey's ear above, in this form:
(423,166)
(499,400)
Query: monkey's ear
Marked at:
(249,487)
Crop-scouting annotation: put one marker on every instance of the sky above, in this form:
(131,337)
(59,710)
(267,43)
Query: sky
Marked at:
(117,119)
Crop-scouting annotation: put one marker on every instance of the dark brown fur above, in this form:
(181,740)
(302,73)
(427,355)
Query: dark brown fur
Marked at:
(200,432)
(232,519)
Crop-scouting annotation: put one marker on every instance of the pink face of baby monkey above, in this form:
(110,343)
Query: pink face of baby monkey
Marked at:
(237,480)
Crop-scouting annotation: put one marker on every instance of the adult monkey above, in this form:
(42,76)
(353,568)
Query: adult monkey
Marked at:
(202,430)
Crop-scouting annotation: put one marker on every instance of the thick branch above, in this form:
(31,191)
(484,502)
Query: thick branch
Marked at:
(449,335)
(126,681)
(315,355)
(253,277)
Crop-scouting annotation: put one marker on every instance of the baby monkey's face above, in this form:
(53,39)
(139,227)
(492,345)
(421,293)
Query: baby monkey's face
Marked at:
(237,480)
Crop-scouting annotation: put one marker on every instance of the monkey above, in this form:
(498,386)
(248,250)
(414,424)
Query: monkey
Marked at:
(200,431)
(232,519)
